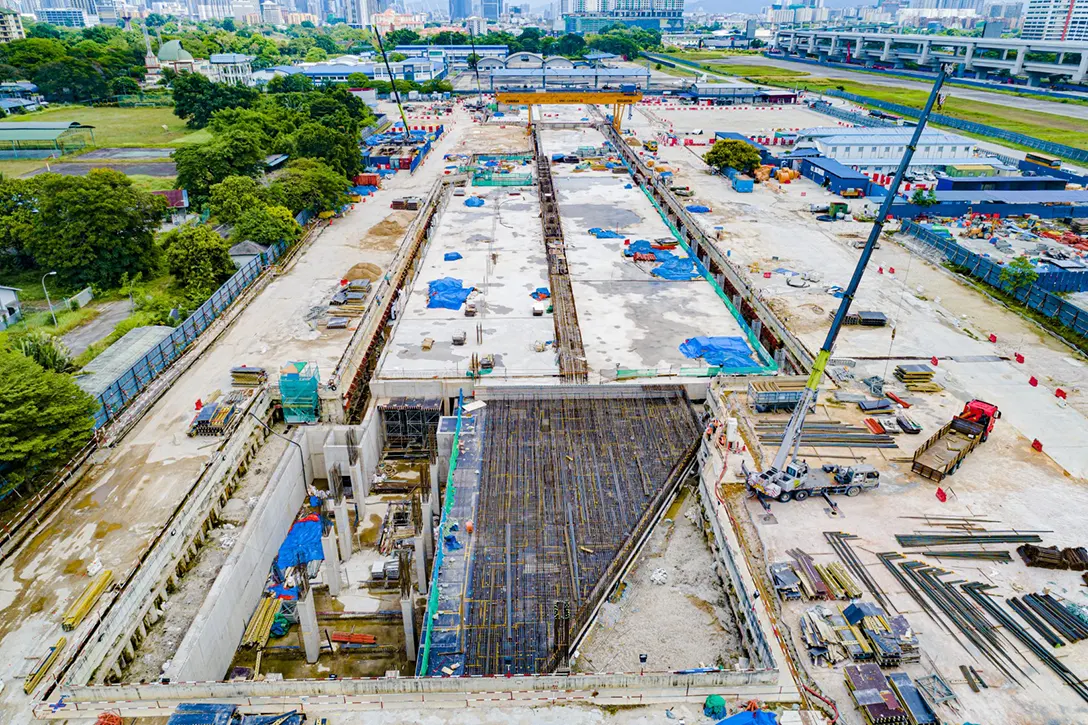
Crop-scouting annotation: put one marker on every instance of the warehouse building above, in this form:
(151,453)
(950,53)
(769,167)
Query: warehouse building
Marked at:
(879,150)
(454,57)
(1000,183)
(733,94)
(562,78)
(835,177)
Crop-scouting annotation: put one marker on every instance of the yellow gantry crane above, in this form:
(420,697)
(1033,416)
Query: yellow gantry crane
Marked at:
(620,100)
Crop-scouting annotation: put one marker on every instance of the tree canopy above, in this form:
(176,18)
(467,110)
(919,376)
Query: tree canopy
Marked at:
(196,98)
(44,419)
(198,258)
(732,153)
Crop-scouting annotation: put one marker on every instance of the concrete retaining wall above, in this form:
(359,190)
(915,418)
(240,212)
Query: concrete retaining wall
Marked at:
(208,647)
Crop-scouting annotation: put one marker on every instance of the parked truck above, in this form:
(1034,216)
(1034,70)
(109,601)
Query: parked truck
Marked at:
(943,453)
(800,481)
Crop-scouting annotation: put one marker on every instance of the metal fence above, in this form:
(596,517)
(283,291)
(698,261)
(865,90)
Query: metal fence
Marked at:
(990,132)
(1036,297)
(134,380)
(859,119)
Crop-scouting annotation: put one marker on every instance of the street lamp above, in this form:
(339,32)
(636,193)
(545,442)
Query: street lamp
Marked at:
(54,314)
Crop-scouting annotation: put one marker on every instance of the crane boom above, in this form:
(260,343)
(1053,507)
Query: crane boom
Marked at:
(769,480)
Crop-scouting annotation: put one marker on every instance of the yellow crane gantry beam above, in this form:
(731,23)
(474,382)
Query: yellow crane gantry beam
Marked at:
(620,100)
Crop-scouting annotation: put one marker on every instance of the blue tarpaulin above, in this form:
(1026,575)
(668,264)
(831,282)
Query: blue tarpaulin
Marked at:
(290,718)
(199,713)
(727,351)
(680,269)
(452,544)
(303,542)
(447,293)
(759,717)
(605,233)
(541,293)
(697,208)
(558,157)
(284,592)
(451,256)
(474,201)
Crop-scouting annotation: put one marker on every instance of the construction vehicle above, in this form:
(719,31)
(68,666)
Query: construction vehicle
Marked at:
(802,481)
(787,475)
(650,146)
(944,452)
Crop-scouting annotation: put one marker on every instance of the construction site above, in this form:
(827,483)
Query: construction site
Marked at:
(553,422)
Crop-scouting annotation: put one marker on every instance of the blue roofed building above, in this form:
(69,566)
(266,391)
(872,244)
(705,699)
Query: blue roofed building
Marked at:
(555,78)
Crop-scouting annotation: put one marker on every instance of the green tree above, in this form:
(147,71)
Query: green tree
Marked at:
(396,57)
(338,150)
(359,80)
(92,229)
(310,185)
(404,36)
(732,153)
(437,86)
(228,25)
(316,55)
(922,198)
(196,98)
(44,419)
(71,79)
(32,53)
(266,225)
(46,350)
(232,153)
(1018,274)
(124,86)
(232,196)
(199,260)
(570,45)
(293,83)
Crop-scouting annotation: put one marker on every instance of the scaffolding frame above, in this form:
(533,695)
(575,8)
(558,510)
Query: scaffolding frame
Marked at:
(568,486)
(411,425)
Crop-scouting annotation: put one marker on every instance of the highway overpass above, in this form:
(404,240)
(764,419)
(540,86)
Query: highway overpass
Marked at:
(985,58)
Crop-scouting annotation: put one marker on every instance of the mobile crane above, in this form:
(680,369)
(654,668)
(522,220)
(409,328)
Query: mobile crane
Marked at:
(789,477)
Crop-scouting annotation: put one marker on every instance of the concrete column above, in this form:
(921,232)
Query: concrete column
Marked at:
(332,562)
(307,626)
(406,611)
(834,46)
(858,48)
(421,566)
(887,50)
(436,486)
(1018,66)
(757,327)
(923,52)
(969,57)
(343,527)
(428,528)
(1082,69)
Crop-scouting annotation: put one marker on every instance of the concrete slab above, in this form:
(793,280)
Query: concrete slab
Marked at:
(503,258)
(629,318)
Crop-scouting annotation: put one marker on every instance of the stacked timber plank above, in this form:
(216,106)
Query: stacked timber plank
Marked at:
(42,666)
(83,604)
(260,624)
(247,377)
(917,378)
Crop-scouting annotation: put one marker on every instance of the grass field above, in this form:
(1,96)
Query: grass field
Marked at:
(753,70)
(709,54)
(123,126)
(153,183)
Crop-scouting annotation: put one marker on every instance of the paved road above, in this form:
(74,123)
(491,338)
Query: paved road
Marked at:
(1068,110)
(109,315)
(75,168)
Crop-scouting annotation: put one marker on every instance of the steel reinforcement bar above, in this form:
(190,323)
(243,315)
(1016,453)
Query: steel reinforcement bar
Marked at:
(568,335)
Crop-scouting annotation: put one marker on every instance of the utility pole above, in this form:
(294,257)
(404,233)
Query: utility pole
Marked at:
(54,314)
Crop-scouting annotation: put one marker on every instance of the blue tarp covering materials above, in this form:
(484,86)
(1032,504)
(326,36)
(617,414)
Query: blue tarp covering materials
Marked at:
(605,233)
(759,717)
(198,713)
(452,544)
(727,351)
(451,256)
(677,269)
(697,208)
(447,293)
(284,592)
(558,157)
(541,293)
(303,541)
(474,201)
(714,706)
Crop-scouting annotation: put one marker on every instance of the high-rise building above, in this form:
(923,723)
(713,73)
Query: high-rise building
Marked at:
(11,26)
(1056,20)
(492,9)
(460,9)
(589,16)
